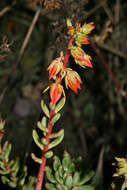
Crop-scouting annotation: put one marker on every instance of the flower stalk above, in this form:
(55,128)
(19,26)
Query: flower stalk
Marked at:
(58,71)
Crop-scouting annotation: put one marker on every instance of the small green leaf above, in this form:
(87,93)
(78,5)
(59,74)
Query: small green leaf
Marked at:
(36,159)
(50,186)
(58,178)
(5,179)
(86,178)
(86,187)
(44,141)
(60,105)
(61,186)
(48,154)
(59,133)
(76,178)
(49,175)
(68,181)
(16,165)
(66,163)
(56,163)
(57,140)
(44,108)
(37,139)
(44,121)
(7,152)
(55,118)
(71,167)
(61,171)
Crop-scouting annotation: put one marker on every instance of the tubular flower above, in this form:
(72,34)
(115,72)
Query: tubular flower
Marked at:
(81,57)
(81,39)
(87,28)
(72,79)
(70,28)
(55,67)
(55,92)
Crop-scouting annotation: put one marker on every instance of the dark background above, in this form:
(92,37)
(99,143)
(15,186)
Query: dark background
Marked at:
(95,119)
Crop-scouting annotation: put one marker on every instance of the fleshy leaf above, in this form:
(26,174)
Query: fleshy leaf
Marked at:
(50,186)
(60,105)
(49,175)
(56,163)
(37,139)
(86,178)
(48,154)
(57,140)
(44,108)
(55,118)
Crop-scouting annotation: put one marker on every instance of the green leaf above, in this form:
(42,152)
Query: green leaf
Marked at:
(68,181)
(5,179)
(48,154)
(50,186)
(71,167)
(7,152)
(60,105)
(37,139)
(55,118)
(57,140)
(61,186)
(42,125)
(86,187)
(22,177)
(36,159)
(61,171)
(86,178)
(4,172)
(58,178)
(45,108)
(59,133)
(76,178)
(16,165)
(49,175)
(66,163)
(56,163)
(44,141)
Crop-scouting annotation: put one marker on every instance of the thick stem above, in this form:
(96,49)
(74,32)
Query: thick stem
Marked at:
(42,166)
(66,57)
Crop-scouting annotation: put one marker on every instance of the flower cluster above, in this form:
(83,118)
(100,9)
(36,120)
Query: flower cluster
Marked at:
(58,69)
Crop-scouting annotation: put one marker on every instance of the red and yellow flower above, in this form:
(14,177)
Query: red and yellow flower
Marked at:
(72,80)
(87,28)
(56,90)
(81,57)
(55,67)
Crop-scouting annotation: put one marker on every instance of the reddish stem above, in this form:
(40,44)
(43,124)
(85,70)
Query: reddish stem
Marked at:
(66,57)
(42,166)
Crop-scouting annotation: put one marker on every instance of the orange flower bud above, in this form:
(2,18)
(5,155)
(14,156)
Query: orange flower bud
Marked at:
(87,28)
(72,79)
(55,67)
(81,39)
(81,57)
(55,92)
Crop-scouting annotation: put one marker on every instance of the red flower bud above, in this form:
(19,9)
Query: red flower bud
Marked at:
(72,79)
(81,57)
(55,67)
(87,28)
(55,92)
(81,39)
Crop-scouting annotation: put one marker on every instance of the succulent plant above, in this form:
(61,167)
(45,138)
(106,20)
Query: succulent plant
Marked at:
(66,175)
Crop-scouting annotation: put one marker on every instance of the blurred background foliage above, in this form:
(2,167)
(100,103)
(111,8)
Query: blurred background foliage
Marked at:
(32,34)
